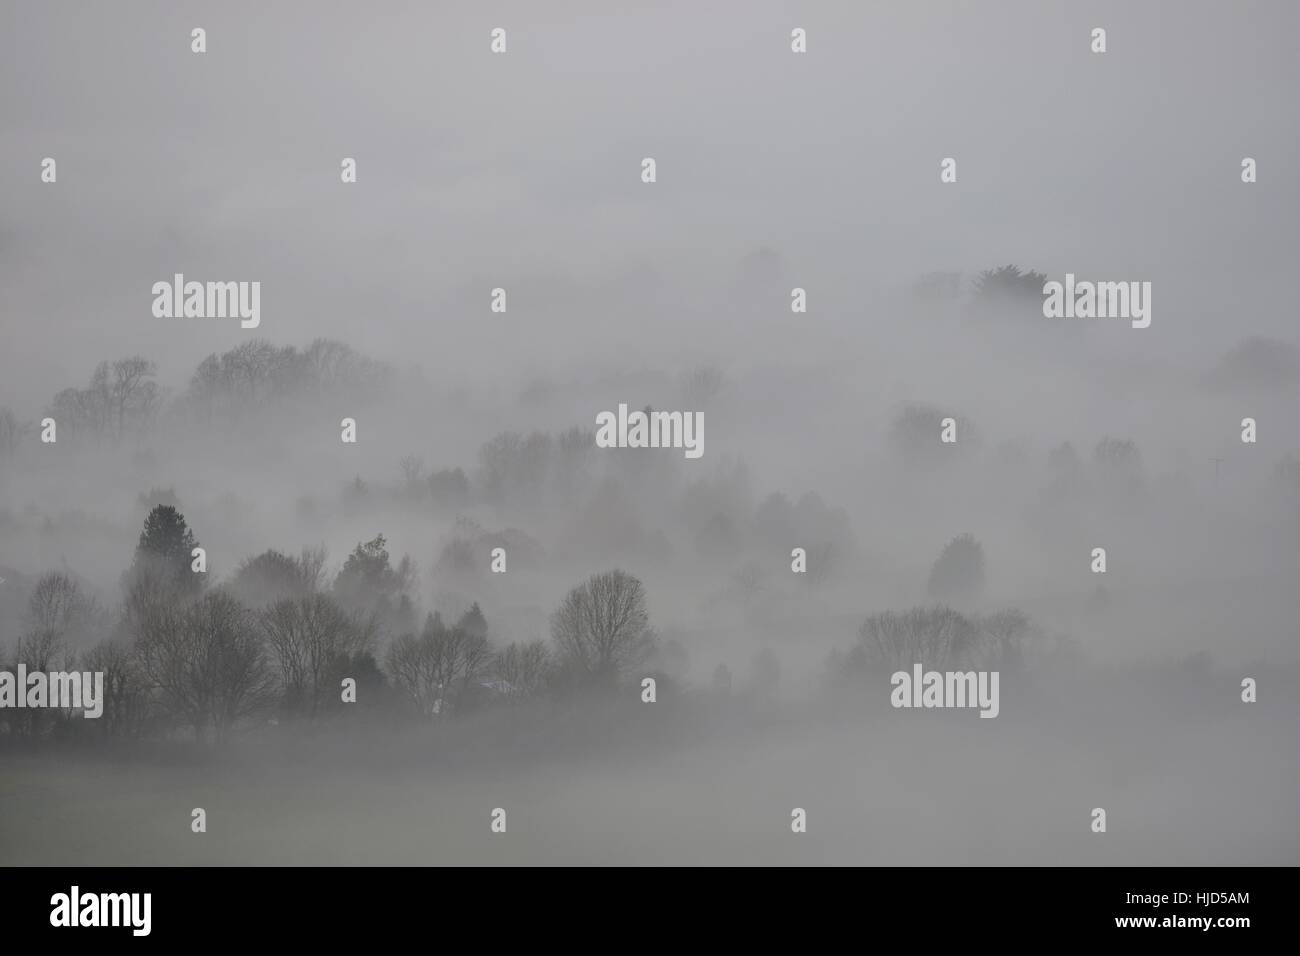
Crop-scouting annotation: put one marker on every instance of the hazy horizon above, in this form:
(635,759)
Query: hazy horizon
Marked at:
(776,171)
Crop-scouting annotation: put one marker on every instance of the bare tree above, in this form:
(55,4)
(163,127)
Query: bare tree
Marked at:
(435,668)
(119,394)
(310,640)
(57,612)
(412,671)
(1003,638)
(602,628)
(311,568)
(151,600)
(523,667)
(515,467)
(206,663)
(250,368)
(126,698)
(701,385)
(938,637)
(412,467)
(132,393)
(58,605)
(38,649)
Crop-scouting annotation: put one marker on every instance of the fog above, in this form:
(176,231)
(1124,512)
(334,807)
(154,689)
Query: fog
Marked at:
(476,430)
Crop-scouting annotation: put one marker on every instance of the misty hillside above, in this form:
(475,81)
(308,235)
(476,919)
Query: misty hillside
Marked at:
(363,570)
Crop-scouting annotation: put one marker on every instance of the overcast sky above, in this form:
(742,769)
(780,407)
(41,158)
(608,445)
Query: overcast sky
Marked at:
(522,170)
(775,170)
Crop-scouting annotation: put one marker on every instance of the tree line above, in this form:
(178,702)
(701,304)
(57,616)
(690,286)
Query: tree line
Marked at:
(278,642)
(123,397)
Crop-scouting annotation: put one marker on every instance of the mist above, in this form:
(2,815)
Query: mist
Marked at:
(467,555)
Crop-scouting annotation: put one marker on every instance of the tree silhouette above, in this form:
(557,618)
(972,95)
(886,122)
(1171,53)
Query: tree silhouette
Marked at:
(1007,287)
(312,641)
(165,553)
(272,576)
(435,668)
(916,431)
(121,394)
(959,570)
(473,623)
(206,664)
(1120,462)
(523,668)
(602,628)
(937,637)
(368,584)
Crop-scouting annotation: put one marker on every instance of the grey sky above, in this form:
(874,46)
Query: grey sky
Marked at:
(774,171)
(522,170)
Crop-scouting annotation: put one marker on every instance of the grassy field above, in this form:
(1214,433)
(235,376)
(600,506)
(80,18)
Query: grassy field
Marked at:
(926,789)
